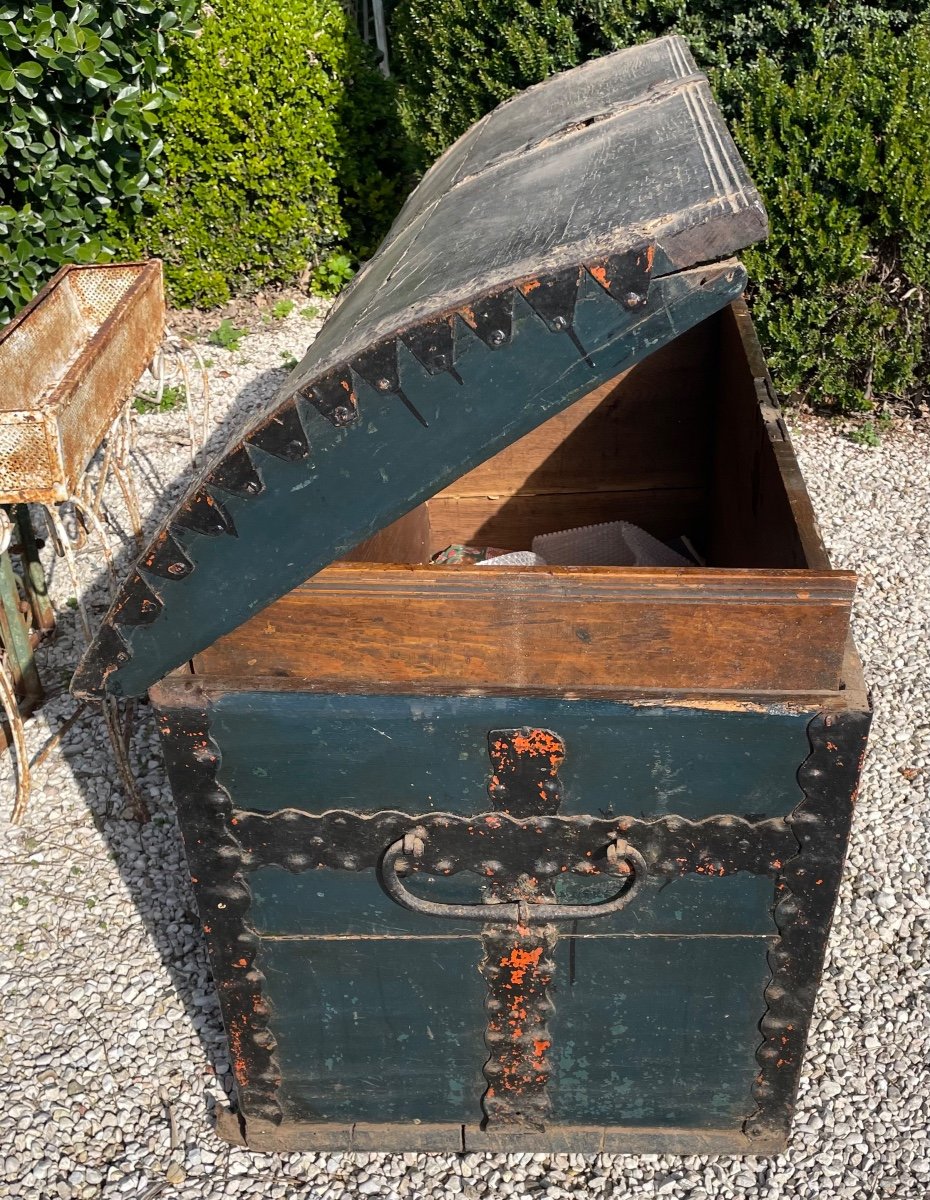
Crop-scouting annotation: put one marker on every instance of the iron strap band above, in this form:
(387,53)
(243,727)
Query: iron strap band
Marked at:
(493,843)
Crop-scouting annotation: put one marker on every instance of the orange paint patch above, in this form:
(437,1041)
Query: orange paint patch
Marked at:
(519,961)
(237,1029)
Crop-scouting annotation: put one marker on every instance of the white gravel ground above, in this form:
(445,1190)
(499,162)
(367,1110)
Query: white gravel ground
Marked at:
(108,1012)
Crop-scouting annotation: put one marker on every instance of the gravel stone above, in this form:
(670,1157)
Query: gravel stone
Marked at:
(109,1008)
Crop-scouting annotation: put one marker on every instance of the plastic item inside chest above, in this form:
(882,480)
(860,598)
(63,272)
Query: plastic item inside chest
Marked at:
(512,857)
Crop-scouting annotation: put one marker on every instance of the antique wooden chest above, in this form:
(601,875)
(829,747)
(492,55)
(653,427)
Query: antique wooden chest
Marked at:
(515,857)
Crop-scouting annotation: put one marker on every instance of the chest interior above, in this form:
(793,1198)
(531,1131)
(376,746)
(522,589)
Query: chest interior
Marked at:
(688,445)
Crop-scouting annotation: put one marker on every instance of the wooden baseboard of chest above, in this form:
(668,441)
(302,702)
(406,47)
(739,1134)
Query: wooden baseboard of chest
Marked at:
(470,1139)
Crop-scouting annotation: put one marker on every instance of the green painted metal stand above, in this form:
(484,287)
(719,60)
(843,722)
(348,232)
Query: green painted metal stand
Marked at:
(19,633)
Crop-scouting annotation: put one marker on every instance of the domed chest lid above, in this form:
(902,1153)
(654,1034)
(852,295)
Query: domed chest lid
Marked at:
(564,237)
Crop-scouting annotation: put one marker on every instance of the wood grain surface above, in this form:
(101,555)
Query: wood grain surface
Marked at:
(604,629)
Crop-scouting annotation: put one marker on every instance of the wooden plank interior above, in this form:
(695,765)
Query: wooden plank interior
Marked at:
(608,629)
(761,515)
(636,449)
(511,523)
(405,541)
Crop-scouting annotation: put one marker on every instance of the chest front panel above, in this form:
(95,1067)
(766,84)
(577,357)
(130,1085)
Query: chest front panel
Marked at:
(499,917)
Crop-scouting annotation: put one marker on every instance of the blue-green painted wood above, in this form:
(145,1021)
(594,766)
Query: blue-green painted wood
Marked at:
(423,754)
(387,1030)
(325,902)
(646,1031)
(657,1032)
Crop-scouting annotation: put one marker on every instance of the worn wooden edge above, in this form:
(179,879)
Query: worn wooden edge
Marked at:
(184,690)
(458,1139)
(855,689)
(799,501)
(664,585)
(771,629)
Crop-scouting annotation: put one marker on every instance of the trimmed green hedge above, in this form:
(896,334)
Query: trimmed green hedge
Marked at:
(842,157)
(456,59)
(829,106)
(81,82)
(282,149)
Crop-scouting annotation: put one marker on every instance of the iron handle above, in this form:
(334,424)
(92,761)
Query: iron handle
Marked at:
(622,857)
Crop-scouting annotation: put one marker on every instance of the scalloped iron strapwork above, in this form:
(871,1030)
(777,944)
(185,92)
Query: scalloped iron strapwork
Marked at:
(807,886)
(215,859)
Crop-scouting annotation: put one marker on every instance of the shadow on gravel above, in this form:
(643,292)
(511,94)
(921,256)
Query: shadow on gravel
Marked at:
(149,857)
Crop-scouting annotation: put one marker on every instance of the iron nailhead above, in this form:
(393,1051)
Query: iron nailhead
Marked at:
(383,385)
(632,299)
(342,415)
(496,337)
